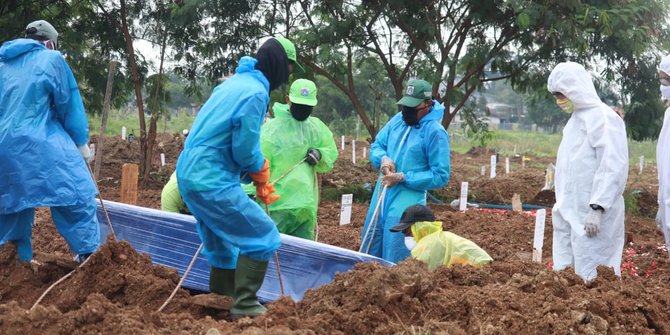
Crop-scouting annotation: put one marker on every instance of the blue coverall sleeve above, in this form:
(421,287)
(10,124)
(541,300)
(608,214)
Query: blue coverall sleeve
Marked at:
(247,134)
(378,147)
(67,100)
(437,174)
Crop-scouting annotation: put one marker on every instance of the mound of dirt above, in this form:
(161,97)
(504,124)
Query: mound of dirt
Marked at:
(503,297)
(647,203)
(499,190)
(345,172)
(546,198)
(117,291)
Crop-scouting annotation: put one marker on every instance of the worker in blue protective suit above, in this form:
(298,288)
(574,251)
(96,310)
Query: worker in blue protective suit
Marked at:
(412,154)
(42,123)
(222,148)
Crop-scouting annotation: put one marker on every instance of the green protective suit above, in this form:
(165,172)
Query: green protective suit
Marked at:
(436,247)
(171,200)
(284,142)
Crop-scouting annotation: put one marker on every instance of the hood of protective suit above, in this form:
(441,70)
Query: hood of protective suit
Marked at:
(281,110)
(422,229)
(436,113)
(18,47)
(573,81)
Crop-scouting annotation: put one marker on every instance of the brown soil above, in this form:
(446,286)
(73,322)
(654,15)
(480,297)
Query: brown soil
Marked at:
(546,198)
(119,290)
(345,173)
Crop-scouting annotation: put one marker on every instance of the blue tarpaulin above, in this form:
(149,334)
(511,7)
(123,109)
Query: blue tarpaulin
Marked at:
(171,240)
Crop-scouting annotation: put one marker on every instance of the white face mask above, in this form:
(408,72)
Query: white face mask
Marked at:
(409,242)
(665,92)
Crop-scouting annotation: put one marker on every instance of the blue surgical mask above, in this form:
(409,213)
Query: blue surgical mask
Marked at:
(409,242)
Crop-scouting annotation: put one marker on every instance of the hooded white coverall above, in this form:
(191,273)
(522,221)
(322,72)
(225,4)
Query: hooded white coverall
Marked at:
(663,164)
(591,168)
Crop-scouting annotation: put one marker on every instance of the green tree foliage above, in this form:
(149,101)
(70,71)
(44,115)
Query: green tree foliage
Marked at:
(209,36)
(87,38)
(543,111)
(643,110)
(463,44)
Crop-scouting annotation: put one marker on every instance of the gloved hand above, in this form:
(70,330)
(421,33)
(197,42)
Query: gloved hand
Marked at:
(659,224)
(313,156)
(262,176)
(85,152)
(387,165)
(265,193)
(393,178)
(592,222)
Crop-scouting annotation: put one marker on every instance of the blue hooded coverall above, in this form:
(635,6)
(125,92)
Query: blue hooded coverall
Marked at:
(42,122)
(224,144)
(424,160)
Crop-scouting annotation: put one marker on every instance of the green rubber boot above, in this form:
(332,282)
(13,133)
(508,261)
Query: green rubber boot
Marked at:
(248,280)
(222,281)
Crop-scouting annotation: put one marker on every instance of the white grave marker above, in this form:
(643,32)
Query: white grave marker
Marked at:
(353,151)
(463,204)
(365,152)
(538,239)
(123,133)
(493,166)
(162,159)
(92,147)
(506,165)
(342,142)
(641,164)
(483,170)
(345,209)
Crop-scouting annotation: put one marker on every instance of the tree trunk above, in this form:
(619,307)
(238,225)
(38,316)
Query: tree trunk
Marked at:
(103,125)
(448,117)
(137,84)
(154,112)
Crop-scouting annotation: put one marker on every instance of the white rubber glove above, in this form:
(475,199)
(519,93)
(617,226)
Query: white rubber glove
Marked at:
(592,223)
(393,178)
(387,165)
(659,224)
(85,152)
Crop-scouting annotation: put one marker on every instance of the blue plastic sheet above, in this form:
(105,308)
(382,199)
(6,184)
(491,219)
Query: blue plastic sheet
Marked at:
(171,240)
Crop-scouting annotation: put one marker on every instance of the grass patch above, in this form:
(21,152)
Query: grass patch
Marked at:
(360,192)
(132,123)
(542,145)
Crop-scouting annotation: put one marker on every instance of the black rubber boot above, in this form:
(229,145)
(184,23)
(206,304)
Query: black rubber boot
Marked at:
(222,281)
(248,280)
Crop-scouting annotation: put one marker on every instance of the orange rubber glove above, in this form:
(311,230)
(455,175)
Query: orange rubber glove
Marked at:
(265,193)
(262,176)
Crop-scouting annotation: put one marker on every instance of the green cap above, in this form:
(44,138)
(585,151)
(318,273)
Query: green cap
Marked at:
(289,48)
(417,90)
(303,92)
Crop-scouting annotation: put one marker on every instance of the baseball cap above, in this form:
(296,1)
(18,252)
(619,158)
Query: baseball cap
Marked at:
(303,92)
(417,90)
(42,30)
(291,54)
(412,215)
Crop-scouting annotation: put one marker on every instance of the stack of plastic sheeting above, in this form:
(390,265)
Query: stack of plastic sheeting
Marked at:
(171,240)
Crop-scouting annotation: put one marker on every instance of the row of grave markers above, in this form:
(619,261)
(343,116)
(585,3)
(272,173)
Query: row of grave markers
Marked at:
(353,150)
(493,165)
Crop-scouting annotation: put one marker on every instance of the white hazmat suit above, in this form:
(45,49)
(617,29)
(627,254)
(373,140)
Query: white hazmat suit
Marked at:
(591,168)
(663,161)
